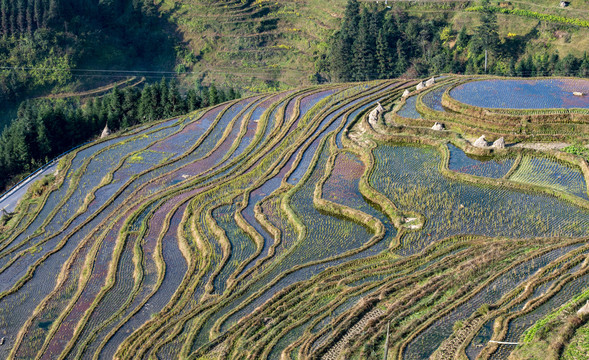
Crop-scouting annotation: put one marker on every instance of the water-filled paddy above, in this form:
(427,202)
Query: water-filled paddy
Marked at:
(433,98)
(410,177)
(493,168)
(409,110)
(524,94)
(317,258)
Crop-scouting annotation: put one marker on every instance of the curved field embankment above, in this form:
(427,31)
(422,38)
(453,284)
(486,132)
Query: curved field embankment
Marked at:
(303,224)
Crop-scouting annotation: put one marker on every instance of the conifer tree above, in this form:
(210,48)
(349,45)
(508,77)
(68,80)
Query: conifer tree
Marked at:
(38,13)
(382,55)
(192,100)
(231,94)
(486,35)
(364,49)
(204,96)
(163,108)
(173,103)
(342,49)
(4,22)
(12,16)
(402,62)
(21,16)
(29,17)
(584,67)
(213,95)
(52,12)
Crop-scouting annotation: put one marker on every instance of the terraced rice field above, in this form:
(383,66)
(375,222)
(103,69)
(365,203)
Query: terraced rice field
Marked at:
(289,226)
(408,110)
(524,94)
(490,167)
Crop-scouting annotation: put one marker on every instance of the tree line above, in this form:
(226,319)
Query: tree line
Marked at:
(44,129)
(19,17)
(375,43)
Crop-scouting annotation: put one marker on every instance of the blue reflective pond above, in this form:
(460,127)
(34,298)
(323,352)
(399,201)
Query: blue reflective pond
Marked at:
(524,94)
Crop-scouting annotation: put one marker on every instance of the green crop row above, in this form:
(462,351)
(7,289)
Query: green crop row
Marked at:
(532,14)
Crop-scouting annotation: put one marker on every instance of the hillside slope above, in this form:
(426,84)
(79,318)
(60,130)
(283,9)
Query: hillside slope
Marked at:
(263,44)
(304,224)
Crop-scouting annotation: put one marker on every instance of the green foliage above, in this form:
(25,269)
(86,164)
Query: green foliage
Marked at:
(44,129)
(531,14)
(458,325)
(577,150)
(373,43)
(579,345)
(41,41)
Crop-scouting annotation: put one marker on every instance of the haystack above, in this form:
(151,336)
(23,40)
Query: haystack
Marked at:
(406,93)
(379,108)
(584,309)
(430,82)
(419,86)
(106,132)
(373,116)
(481,142)
(438,126)
(499,143)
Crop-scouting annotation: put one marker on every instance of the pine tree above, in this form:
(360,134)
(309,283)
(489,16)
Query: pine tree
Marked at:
(584,67)
(462,39)
(382,55)
(364,49)
(21,16)
(512,70)
(486,35)
(163,98)
(12,17)
(156,108)
(129,107)
(231,94)
(145,111)
(115,108)
(520,68)
(204,96)
(222,97)
(402,63)
(213,95)
(173,103)
(38,13)
(531,68)
(341,56)
(52,14)
(192,100)
(4,22)
(29,17)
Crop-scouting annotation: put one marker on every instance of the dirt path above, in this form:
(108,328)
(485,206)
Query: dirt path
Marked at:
(542,145)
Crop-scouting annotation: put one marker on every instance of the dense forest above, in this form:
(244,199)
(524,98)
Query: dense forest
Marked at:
(373,43)
(44,129)
(44,43)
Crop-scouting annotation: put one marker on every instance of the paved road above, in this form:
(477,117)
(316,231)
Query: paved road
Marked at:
(10,200)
